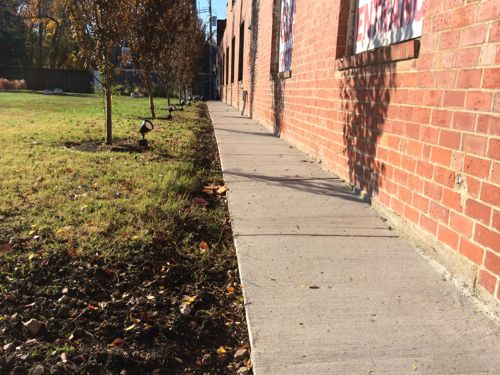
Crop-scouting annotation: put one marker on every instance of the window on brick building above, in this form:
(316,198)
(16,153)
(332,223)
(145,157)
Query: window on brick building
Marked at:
(227,65)
(283,24)
(374,26)
(233,47)
(382,23)
(241,50)
(222,68)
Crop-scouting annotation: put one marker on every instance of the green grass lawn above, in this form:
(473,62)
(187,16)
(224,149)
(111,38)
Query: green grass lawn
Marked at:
(58,195)
(122,253)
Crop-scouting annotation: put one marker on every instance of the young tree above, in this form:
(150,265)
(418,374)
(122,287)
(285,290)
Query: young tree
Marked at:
(186,60)
(144,42)
(99,26)
(171,14)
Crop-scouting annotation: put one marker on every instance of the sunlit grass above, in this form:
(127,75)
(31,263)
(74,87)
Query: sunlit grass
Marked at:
(57,195)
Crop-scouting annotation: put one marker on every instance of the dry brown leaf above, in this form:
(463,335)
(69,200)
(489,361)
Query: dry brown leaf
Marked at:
(200,201)
(116,342)
(212,187)
(5,248)
(222,190)
(203,246)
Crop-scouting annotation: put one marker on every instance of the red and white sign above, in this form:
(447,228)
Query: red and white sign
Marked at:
(383,22)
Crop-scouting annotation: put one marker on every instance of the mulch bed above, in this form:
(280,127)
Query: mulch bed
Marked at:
(158,311)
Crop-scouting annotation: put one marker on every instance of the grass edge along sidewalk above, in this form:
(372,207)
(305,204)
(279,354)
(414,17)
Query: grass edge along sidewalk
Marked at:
(86,290)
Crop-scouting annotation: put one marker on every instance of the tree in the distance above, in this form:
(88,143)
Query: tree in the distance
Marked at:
(144,42)
(13,34)
(186,60)
(99,26)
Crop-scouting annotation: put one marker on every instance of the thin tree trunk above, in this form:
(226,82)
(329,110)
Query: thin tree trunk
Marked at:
(40,45)
(109,123)
(167,91)
(40,35)
(151,95)
(151,102)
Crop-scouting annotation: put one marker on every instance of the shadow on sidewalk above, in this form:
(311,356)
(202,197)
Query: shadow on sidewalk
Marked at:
(332,187)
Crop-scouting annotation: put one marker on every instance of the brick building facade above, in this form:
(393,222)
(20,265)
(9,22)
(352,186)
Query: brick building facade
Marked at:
(415,125)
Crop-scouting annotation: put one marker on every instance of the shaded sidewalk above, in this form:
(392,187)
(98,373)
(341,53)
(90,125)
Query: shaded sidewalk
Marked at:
(329,288)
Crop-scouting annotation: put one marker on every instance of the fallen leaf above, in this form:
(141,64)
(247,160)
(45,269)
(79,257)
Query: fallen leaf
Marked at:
(130,327)
(178,360)
(212,187)
(200,201)
(116,342)
(203,246)
(230,289)
(5,248)
(134,320)
(313,287)
(222,190)
(414,366)
(221,350)
(189,300)
(150,297)
(63,233)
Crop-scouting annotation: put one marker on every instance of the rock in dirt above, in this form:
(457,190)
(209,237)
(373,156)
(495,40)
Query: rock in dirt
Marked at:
(37,370)
(185,309)
(141,300)
(10,347)
(33,326)
(241,354)
(64,299)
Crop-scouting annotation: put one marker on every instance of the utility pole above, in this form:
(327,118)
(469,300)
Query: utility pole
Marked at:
(210,58)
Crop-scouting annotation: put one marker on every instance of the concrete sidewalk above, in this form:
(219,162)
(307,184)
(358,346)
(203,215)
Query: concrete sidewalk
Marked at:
(329,288)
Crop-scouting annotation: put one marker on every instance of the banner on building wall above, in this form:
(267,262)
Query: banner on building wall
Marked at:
(286,35)
(384,22)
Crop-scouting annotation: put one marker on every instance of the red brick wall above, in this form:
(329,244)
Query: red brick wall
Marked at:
(421,135)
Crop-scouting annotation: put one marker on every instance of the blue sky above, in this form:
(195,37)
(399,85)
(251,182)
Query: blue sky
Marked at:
(218,7)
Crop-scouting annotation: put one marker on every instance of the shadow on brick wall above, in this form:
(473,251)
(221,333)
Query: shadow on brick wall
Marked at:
(366,95)
(254,44)
(278,104)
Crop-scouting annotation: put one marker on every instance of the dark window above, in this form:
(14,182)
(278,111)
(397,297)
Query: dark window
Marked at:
(242,47)
(222,69)
(233,47)
(227,65)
